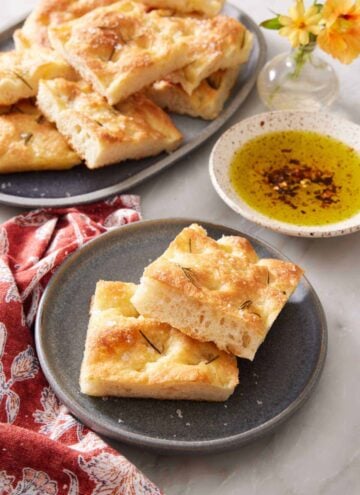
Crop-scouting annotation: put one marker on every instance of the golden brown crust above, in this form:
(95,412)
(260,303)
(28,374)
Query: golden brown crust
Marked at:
(101,134)
(21,71)
(142,357)
(123,48)
(53,13)
(223,278)
(223,43)
(120,49)
(28,142)
(49,13)
(206,101)
(207,7)
(194,90)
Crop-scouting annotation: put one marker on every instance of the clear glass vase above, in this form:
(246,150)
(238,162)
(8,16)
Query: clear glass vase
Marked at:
(298,80)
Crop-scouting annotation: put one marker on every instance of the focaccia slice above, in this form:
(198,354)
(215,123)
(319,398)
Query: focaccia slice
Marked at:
(21,71)
(120,49)
(206,101)
(217,291)
(207,7)
(49,13)
(128,355)
(28,142)
(101,134)
(52,13)
(227,45)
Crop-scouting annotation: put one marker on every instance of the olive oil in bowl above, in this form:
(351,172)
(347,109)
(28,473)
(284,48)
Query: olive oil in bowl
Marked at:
(298,177)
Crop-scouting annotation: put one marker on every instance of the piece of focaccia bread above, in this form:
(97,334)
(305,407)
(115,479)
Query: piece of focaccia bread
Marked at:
(21,70)
(207,7)
(101,134)
(217,291)
(206,101)
(128,355)
(49,13)
(120,49)
(224,43)
(28,142)
(52,13)
(123,48)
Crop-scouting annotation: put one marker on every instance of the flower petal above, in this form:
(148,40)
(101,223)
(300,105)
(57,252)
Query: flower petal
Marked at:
(314,29)
(285,20)
(303,37)
(294,38)
(314,19)
(285,31)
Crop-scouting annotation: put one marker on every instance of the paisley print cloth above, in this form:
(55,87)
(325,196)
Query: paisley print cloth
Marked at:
(43,449)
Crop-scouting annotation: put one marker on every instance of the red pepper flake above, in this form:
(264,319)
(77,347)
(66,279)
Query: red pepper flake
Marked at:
(288,180)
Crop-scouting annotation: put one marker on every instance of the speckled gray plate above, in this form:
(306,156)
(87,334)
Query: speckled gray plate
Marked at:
(80,185)
(277,383)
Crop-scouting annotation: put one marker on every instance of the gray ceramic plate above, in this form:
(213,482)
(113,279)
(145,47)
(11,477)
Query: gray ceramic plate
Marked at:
(277,383)
(80,185)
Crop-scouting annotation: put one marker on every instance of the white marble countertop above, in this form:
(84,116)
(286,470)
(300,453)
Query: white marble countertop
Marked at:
(317,452)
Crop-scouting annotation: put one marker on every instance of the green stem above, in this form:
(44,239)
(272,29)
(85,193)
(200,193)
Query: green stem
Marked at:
(301,56)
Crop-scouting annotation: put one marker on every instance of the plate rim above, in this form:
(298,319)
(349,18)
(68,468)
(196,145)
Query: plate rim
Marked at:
(170,159)
(178,446)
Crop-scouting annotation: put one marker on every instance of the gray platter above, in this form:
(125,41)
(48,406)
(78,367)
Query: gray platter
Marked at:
(272,387)
(80,185)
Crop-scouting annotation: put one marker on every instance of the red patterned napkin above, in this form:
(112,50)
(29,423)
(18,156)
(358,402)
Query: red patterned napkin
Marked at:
(43,449)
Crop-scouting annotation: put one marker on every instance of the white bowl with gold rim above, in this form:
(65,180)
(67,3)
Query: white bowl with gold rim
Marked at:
(233,139)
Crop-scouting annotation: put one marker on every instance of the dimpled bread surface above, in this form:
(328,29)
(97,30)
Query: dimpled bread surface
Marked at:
(216,291)
(28,142)
(102,134)
(128,355)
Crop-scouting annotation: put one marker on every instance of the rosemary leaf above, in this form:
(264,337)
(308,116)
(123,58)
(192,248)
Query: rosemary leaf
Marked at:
(246,304)
(211,360)
(189,275)
(190,248)
(150,343)
(213,84)
(26,136)
(111,53)
(22,79)
(16,108)
(257,314)
(268,278)
(99,123)
(243,42)
(40,119)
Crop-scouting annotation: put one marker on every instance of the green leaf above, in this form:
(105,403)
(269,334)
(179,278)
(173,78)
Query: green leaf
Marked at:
(273,23)
(318,5)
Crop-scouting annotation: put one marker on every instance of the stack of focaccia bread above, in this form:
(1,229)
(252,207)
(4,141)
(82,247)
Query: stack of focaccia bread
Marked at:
(176,335)
(90,79)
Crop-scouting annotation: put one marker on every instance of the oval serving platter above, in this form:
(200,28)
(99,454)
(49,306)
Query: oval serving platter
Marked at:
(272,387)
(80,185)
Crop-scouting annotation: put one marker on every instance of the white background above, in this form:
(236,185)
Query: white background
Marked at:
(317,452)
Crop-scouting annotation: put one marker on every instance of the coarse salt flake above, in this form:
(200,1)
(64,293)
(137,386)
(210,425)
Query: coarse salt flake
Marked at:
(179,413)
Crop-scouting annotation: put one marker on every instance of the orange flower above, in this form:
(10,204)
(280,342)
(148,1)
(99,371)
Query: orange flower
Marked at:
(341,34)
